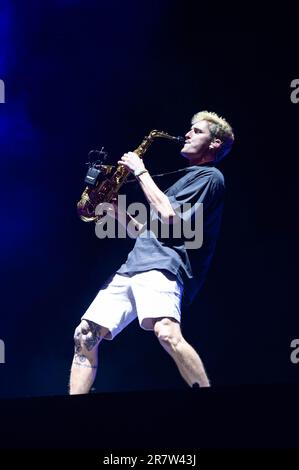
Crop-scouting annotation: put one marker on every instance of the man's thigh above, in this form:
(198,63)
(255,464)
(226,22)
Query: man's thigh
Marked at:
(113,307)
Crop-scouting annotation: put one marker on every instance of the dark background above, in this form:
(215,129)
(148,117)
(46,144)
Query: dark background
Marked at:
(79,75)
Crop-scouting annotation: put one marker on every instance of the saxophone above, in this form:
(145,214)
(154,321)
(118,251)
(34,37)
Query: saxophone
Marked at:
(106,190)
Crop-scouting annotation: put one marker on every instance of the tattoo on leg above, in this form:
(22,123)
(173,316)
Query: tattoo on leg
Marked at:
(93,336)
(86,338)
(81,360)
(91,342)
(96,329)
(78,347)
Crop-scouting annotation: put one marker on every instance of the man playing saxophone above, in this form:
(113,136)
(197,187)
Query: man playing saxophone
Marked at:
(159,273)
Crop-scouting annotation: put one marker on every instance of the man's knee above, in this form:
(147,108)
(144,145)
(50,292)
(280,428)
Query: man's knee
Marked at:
(87,336)
(168,332)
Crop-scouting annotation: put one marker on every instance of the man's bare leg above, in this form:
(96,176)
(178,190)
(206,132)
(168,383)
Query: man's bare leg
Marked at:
(85,362)
(186,358)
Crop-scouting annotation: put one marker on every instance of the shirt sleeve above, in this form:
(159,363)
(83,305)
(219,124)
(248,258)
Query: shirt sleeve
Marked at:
(199,193)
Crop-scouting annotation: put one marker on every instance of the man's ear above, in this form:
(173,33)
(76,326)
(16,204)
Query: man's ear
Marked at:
(215,144)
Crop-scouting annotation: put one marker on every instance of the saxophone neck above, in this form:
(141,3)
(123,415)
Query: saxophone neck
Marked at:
(154,134)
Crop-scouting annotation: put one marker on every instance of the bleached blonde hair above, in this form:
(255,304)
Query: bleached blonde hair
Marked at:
(219,129)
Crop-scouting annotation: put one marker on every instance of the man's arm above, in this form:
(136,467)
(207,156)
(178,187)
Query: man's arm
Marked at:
(156,198)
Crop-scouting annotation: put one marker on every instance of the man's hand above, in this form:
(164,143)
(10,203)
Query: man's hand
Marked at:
(156,198)
(131,161)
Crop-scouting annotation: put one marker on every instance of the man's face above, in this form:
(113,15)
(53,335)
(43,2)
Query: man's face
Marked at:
(197,141)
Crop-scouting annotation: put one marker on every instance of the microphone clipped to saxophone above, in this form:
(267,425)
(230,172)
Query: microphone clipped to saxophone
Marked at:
(103,185)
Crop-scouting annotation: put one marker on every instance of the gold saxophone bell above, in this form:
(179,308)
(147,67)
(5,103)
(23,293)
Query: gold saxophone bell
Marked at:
(106,191)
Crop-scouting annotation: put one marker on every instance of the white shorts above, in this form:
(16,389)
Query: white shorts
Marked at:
(147,295)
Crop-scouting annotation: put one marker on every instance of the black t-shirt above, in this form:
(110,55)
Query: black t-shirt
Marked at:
(198,199)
